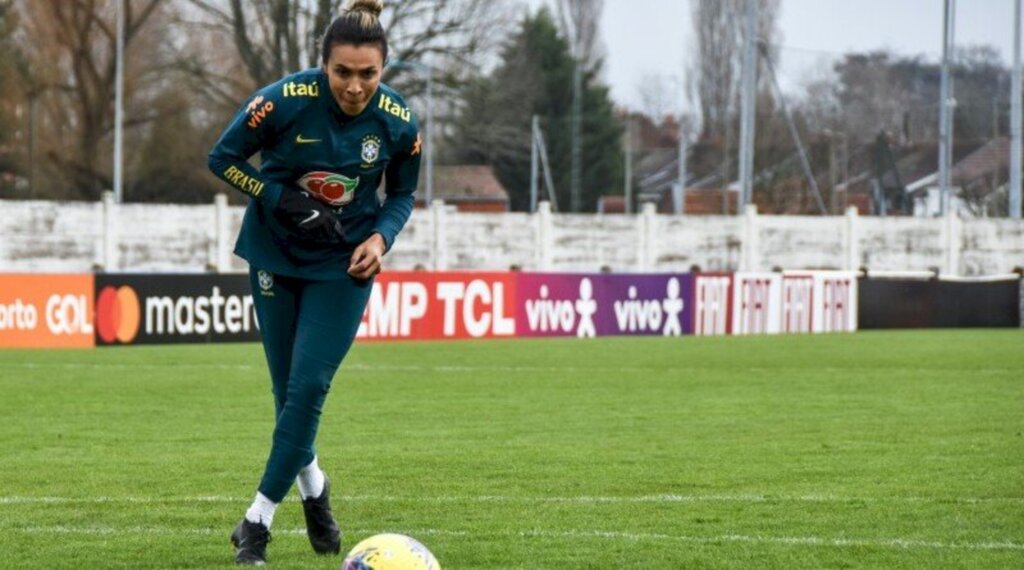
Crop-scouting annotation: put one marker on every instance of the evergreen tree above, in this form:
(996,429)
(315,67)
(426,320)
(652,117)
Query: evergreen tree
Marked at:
(535,78)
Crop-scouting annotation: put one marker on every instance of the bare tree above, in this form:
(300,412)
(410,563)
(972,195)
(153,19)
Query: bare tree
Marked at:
(715,74)
(659,96)
(581,20)
(72,45)
(275,37)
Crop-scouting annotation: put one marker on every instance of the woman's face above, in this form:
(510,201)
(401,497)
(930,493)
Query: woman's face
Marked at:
(354,74)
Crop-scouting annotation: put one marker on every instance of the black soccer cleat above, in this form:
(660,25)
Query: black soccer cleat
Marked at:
(323,531)
(250,541)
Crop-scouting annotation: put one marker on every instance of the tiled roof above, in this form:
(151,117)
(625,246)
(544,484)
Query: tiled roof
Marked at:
(465,182)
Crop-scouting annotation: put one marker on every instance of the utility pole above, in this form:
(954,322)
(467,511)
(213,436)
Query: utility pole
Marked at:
(749,103)
(804,161)
(534,158)
(430,135)
(575,198)
(833,174)
(32,105)
(119,105)
(679,199)
(542,150)
(428,152)
(1015,121)
(628,186)
(945,109)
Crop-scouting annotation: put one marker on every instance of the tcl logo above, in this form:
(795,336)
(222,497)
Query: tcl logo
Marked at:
(68,315)
(482,308)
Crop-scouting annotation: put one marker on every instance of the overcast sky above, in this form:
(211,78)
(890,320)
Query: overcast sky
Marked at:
(644,38)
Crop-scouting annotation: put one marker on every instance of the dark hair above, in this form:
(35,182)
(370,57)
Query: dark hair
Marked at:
(358,24)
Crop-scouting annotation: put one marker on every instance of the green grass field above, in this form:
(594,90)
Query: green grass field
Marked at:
(872,450)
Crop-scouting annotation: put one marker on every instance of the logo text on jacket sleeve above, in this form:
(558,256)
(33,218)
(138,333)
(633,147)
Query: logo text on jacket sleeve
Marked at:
(243,181)
(391,106)
(258,110)
(294,89)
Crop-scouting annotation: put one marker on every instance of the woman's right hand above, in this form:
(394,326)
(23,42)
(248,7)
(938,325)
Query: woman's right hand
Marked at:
(310,219)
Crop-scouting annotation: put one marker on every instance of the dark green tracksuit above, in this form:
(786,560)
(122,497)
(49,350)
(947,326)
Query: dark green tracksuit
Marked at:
(308,306)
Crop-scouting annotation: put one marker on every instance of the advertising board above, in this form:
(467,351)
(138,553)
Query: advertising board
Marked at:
(46,311)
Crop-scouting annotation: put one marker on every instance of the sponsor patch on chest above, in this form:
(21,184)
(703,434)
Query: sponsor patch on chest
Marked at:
(330,188)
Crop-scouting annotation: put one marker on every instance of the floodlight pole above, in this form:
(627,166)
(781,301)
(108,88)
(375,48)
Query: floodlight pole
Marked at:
(575,176)
(119,105)
(945,108)
(749,103)
(1015,120)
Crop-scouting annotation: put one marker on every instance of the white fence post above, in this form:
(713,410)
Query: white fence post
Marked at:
(750,258)
(953,231)
(544,237)
(646,224)
(221,222)
(440,237)
(109,258)
(852,239)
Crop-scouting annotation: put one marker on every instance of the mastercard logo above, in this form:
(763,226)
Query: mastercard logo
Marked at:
(117,314)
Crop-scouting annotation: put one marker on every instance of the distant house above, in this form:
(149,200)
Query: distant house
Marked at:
(699,201)
(657,175)
(977,178)
(470,188)
(975,182)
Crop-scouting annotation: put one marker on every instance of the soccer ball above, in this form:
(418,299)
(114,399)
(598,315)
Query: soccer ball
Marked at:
(390,552)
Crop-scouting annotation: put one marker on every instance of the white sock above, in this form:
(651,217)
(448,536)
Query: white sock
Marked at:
(261,511)
(311,481)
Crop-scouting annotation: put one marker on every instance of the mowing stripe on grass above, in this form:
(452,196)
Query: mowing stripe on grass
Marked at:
(897,543)
(517,368)
(580,500)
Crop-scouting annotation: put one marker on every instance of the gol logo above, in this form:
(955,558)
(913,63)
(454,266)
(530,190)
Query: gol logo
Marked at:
(117,314)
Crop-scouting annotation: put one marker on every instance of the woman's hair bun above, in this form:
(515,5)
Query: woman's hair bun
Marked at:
(374,7)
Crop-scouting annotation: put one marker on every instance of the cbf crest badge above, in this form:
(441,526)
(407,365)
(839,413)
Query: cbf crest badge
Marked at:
(370,151)
(266,280)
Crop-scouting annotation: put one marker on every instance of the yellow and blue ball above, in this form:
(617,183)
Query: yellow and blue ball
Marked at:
(390,552)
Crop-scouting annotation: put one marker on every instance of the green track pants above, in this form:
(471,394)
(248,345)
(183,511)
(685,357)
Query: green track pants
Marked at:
(307,328)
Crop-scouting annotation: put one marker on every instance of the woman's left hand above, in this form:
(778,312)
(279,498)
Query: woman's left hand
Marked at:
(366,259)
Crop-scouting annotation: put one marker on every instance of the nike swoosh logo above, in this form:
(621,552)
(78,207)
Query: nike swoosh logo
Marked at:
(300,140)
(313,216)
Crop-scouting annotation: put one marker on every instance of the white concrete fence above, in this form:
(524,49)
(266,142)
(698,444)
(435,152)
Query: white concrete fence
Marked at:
(81,236)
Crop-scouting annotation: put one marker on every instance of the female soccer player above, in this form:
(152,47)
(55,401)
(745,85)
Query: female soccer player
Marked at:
(314,234)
